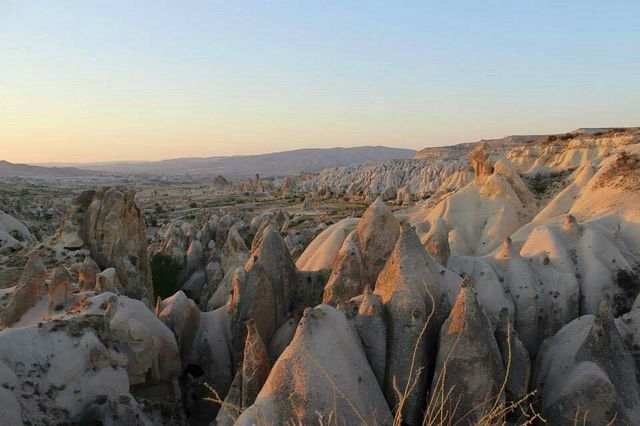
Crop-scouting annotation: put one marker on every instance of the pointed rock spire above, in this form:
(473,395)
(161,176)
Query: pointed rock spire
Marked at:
(587,365)
(346,280)
(255,365)
(263,290)
(521,283)
(467,349)
(514,357)
(369,323)
(322,377)
(87,274)
(437,241)
(410,296)
(59,289)
(30,288)
(377,231)
(235,252)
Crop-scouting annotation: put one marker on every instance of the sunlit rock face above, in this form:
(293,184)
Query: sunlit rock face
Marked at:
(325,355)
(110,225)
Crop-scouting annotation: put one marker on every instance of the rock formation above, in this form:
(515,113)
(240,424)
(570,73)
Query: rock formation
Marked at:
(469,370)
(28,291)
(377,234)
(109,223)
(414,306)
(347,274)
(255,365)
(59,288)
(585,372)
(323,374)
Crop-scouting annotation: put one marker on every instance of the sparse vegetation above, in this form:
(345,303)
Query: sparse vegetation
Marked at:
(164,271)
(542,184)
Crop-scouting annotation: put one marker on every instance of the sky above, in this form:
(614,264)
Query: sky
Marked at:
(91,81)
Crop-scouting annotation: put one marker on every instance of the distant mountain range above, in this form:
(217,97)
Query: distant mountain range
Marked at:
(8,169)
(273,164)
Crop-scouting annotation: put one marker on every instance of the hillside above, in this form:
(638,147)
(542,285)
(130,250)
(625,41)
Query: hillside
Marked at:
(272,164)
(25,170)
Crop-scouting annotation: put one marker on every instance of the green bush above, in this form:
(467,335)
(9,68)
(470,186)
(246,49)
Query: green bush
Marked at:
(164,272)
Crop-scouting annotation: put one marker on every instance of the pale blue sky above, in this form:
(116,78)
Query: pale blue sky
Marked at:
(114,80)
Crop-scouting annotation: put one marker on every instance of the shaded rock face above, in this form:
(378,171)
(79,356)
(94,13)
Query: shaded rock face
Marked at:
(182,316)
(515,358)
(377,232)
(107,280)
(235,252)
(323,374)
(414,305)
(586,365)
(263,290)
(469,363)
(113,229)
(436,241)
(347,274)
(255,365)
(30,288)
(87,275)
(59,288)
(371,327)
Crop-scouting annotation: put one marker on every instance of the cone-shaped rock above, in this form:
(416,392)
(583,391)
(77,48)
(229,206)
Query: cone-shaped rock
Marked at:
(255,365)
(514,356)
(437,241)
(346,280)
(30,288)
(231,407)
(59,289)
(182,316)
(469,365)
(322,377)
(586,366)
(87,274)
(377,231)
(195,255)
(411,297)
(262,290)
(235,252)
(369,322)
(520,280)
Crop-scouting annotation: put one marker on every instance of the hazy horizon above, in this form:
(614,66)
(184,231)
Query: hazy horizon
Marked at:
(87,82)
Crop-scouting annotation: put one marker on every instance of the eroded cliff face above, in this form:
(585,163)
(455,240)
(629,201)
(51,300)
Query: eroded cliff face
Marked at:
(109,224)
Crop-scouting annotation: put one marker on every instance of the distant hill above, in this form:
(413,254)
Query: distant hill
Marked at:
(462,149)
(273,164)
(8,169)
